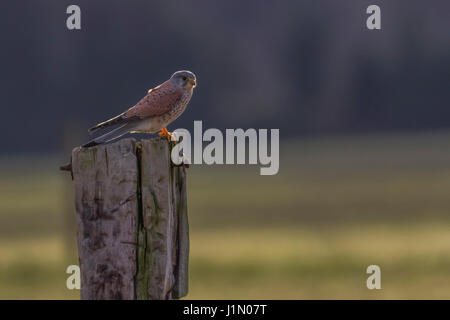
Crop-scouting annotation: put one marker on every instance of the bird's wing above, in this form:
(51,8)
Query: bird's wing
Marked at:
(158,101)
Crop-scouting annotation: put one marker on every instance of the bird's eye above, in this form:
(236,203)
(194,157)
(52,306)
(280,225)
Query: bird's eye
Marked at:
(184,78)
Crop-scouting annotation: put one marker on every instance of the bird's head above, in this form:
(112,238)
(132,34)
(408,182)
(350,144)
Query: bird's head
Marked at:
(184,79)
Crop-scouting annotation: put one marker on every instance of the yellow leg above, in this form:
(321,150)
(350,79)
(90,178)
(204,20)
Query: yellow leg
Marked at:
(166,134)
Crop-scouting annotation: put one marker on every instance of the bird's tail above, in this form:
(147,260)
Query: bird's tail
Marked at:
(120,119)
(109,136)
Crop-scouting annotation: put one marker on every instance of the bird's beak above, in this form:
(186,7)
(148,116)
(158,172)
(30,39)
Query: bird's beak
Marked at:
(193,82)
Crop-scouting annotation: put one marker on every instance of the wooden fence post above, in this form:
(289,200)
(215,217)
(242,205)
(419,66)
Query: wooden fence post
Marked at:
(133,238)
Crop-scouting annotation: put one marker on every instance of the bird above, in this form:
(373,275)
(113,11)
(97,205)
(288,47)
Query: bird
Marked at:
(161,106)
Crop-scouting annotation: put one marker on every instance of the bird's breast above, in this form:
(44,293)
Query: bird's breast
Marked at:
(177,109)
(154,124)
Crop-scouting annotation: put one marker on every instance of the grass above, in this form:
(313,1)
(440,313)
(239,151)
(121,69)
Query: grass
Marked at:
(290,263)
(336,207)
(322,263)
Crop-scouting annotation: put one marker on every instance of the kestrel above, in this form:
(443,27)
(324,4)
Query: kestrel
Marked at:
(162,105)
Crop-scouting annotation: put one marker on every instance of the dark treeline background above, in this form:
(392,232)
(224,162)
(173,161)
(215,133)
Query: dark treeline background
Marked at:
(306,67)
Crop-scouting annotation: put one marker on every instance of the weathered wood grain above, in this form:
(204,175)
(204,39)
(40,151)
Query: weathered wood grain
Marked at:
(133,239)
(180,205)
(160,199)
(105,179)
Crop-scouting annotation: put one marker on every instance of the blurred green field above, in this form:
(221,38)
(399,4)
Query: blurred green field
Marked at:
(337,206)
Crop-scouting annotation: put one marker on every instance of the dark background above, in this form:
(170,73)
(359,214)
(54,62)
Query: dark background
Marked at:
(306,67)
(364,123)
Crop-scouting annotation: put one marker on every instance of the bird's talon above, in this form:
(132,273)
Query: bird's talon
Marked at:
(167,134)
